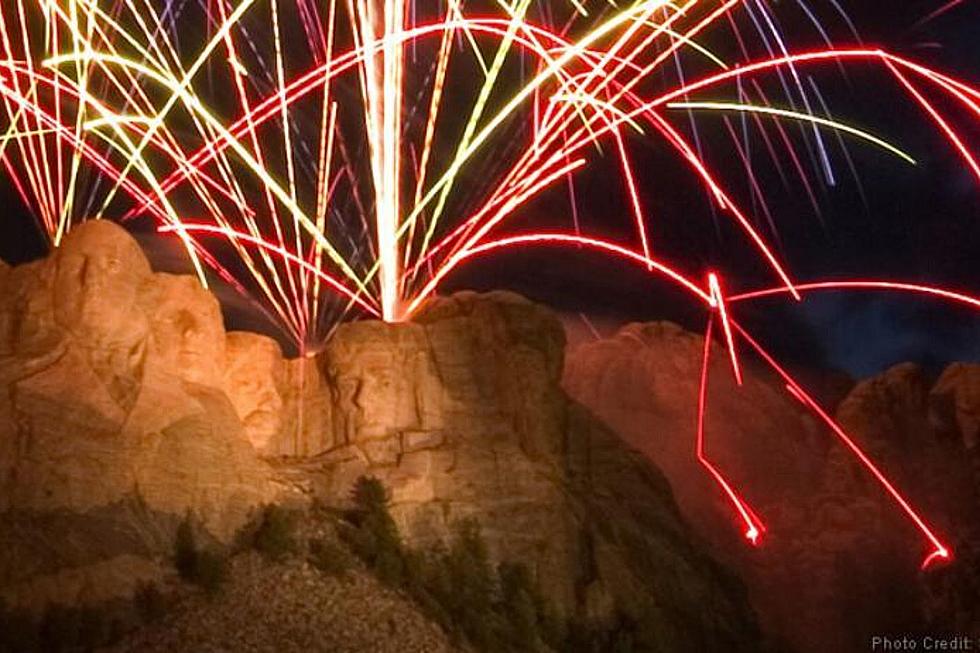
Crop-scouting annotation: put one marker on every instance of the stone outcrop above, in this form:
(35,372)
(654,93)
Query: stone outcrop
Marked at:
(110,396)
(925,435)
(956,397)
(643,382)
(461,415)
(125,405)
(839,560)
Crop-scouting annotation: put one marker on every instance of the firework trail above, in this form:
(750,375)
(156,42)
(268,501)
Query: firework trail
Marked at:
(336,158)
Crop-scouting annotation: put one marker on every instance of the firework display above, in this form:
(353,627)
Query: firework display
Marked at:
(336,159)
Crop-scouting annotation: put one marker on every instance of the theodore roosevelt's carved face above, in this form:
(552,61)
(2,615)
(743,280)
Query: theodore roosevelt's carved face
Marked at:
(252,377)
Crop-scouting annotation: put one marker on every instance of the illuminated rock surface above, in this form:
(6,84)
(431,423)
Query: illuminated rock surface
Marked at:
(839,561)
(461,415)
(111,427)
(126,405)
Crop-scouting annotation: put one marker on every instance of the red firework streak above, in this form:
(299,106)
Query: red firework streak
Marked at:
(106,87)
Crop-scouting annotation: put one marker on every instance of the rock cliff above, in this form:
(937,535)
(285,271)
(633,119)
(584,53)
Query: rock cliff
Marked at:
(461,414)
(839,562)
(125,405)
(112,421)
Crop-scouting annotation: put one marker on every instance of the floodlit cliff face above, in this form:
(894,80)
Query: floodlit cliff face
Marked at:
(839,561)
(111,417)
(461,415)
(124,405)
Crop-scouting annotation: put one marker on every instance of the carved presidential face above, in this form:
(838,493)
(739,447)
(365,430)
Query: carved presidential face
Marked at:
(253,374)
(188,330)
(100,270)
(375,369)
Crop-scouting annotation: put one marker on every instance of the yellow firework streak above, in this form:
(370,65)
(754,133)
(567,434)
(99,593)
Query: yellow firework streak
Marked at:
(194,103)
(794,115)
(575,51)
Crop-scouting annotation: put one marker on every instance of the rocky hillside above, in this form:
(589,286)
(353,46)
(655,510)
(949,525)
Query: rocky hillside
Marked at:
(291,608)
(839,562)
(125,406)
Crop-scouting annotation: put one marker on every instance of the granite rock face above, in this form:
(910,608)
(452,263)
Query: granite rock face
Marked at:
(925,434)
(110,380)
(461,415)
(644,381)
(125,405)
(956,396)
(839,561)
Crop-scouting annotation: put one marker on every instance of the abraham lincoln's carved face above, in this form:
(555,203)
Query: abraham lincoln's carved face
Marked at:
(376,370)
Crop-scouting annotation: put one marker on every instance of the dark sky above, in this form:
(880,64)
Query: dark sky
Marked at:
(918,223)
(915,223)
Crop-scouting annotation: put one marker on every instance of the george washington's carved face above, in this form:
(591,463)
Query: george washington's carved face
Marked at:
(100,275)
(100,271)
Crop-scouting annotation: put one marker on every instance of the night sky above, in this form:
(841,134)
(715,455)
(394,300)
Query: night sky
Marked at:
(917,223)
(912,223)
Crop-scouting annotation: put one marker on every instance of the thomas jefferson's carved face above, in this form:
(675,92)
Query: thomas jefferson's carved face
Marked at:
(188,333)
